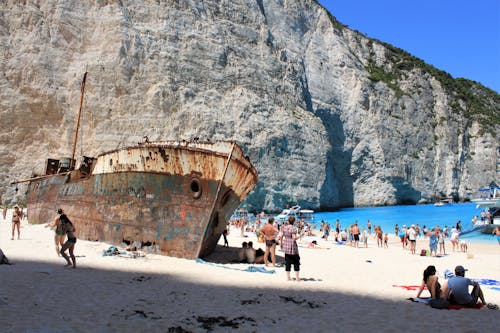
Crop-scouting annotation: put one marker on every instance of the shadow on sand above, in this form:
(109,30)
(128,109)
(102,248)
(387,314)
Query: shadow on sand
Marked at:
(43,297)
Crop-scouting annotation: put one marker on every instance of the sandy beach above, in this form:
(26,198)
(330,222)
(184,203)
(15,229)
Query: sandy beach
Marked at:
(343,289)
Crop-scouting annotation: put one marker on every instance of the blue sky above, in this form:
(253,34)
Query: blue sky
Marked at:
(461,37)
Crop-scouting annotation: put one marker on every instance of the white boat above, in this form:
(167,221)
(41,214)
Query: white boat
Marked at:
(488,197)
(443,202)
(489,202)
(242,214)
(300,214)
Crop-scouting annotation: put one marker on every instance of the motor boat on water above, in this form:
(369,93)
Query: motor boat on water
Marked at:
(489,202)
(300,214)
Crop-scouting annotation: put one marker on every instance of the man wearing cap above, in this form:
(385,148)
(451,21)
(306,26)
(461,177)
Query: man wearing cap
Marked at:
(458,287)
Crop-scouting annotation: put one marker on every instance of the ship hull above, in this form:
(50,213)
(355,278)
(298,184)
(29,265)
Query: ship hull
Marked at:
(177,197)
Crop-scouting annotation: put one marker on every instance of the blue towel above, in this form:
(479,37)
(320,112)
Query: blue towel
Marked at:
(251,269)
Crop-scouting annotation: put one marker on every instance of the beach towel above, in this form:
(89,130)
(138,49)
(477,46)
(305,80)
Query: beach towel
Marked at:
(427,301)
(424,300)
(408,287)
(113,251)
(488,282)
(251,269)
(458,306)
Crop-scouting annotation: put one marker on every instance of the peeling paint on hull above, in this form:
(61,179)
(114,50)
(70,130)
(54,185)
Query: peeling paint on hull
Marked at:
(175,195)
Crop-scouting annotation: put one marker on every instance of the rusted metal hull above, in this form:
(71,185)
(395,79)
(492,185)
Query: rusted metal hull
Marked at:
(176,195)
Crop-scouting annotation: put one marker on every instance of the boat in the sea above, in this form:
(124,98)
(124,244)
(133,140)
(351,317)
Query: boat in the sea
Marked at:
(306,215)
(176,195)
(489,202)
(242,214)
(443,202)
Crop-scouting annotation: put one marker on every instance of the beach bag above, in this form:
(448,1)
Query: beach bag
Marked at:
(423,253)
(439,303)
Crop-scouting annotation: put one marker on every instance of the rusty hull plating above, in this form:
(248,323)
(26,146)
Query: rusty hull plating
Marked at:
(177,195)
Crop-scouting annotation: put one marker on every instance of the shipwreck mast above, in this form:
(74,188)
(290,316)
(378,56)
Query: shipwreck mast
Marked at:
(82,94)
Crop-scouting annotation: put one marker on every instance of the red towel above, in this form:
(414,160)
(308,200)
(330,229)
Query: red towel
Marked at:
(408,287)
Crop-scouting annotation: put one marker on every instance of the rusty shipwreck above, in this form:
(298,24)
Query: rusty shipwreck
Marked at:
(177,195)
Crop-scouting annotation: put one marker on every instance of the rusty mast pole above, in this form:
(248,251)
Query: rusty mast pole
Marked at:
(82,90)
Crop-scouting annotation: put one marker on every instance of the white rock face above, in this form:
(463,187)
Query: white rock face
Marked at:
(328,117)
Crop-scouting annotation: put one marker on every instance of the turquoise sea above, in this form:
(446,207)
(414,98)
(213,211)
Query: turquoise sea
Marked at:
(424,215)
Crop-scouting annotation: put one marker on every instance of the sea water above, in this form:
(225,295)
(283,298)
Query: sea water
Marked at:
(423,215)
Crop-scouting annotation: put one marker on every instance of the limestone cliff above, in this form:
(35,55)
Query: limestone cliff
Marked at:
(329,117)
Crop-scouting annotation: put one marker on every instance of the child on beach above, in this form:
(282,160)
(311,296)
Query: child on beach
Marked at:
(386,239)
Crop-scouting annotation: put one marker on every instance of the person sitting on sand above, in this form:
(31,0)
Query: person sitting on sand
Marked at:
(254,256)
(430,281)
(458,289)
(242,253)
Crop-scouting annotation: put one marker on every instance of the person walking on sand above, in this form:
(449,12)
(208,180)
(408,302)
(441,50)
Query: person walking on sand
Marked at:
(288,243)
(4,213)
(60,235)
(269,232)
(379,236)
(69,229)
(442,250)
(355,234)
(412,238)
(364,236)
(224,234)
(16,222)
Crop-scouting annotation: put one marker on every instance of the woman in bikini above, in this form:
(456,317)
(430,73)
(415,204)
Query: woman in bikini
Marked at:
(430,281)
(17,215)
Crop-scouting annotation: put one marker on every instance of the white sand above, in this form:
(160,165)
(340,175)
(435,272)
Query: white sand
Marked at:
(163,294)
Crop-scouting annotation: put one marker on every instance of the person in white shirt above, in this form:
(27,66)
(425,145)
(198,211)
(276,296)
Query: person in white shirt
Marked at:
(412,238)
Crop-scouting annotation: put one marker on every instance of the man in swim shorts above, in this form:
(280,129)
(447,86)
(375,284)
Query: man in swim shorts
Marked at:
(269,232)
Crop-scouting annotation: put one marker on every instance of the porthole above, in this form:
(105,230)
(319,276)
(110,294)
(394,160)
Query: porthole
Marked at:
(196,188)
